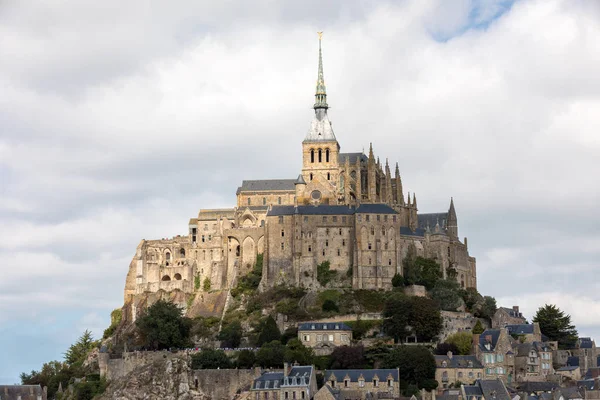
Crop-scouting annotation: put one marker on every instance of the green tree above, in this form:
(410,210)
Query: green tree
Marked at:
(77,352)
(210,359)
(416,365)
(348,357)
(445,294)
(420,313)
(330,306)
(488,308)
(324,273)
(289,334)
(163,326)
(295,351)
(206,284)
(246,359)
(443,348)
(51,375)
(555,324)
(231,335)
(472,298)
(268,332)
(463,342)
(271,355)
(431,272)
(478,328)
(397,280)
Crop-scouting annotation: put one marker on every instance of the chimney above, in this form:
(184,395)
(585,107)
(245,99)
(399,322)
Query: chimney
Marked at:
(286,370)
(516,309)
(449,354)
(475,342)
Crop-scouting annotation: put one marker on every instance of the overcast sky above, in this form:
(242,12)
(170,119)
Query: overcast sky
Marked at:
(119,121)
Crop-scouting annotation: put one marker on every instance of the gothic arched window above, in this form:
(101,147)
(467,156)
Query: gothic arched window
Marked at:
(327,155)
(312,156)
(320,155)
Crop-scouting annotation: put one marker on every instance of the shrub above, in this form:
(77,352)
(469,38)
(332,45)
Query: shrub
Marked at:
(330,306)
(324,273)
(163,326)
(210,359)
(206,284)
(197,282)
(231,334)
(397,280)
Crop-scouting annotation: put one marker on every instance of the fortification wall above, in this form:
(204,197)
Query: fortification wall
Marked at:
(224,383)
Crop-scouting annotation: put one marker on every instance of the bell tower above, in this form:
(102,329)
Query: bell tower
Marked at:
(320,149)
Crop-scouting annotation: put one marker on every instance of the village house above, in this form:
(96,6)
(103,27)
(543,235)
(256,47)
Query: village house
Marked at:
(494,350)
(360,384)
(507,316)
(293,383)
(23,392)
(323,337)
(485,389)
(525,333)
(533,361)
(455,369)
(571,373)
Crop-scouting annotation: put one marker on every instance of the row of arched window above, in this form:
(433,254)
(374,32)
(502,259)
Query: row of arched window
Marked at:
(318,155)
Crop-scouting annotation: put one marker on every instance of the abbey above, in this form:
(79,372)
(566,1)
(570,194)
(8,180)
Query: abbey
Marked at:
(345,208)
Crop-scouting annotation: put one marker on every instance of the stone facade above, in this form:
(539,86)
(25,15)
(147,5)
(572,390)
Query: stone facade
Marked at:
(507,316)
(360,384)
(451,369)
(493,349)
(324,337)
(294,383)
(533,361)
(23,392)
(345,208)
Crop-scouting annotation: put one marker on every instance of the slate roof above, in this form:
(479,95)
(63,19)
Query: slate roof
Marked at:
(585,343)
(523,349)
(25,392)
(570,393)
(354,374)
(431,219)
(494,334)
(532,387)
(405,230)
(375,209)
(587,383)
(310,210)
(573,361)
(267,185)
(568,368)
(275,380)
(352,156)
(473,390)
(521,329)
(323,326)
(457,361)
(511,312)
(493,389)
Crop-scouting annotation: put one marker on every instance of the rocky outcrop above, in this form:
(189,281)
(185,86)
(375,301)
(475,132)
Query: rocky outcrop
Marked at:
(172,379)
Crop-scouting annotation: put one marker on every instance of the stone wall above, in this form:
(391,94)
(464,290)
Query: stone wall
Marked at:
(224,383)
(458,322)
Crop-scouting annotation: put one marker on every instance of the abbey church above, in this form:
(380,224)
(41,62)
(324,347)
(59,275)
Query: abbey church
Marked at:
(345,208)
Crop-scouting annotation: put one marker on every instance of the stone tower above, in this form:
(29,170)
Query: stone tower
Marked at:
(320,150)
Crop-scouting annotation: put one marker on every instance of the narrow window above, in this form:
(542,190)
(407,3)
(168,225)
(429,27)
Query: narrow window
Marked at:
(326,243)
(378,217)
(264,201)
(320,155)
(340,231)
(334,218)
(324,219)
(211,256)
(359,218)
(282,246)
(368,218)
(209,238)
(282,233)
(369,246)
(328,176)
(343,242)
(309,248)
(394,218)
(327,156)
(323,252)
(204,254)
(390,261)
(385,218)
(237,251)
(312,156)
(372,231)
(279,200)
(383,231)
(311,176)
(338,252)
(305,218)
(168,255)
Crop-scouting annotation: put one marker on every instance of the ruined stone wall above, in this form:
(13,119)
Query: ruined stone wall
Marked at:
(453,322)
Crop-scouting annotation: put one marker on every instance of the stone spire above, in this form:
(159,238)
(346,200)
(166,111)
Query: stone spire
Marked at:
(452,222)
(389,195)
(399,191)
(321,92)
(414,203)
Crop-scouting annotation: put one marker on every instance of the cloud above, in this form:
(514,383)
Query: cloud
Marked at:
(118,126)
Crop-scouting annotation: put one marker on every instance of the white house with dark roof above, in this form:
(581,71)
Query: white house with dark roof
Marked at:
(323,337)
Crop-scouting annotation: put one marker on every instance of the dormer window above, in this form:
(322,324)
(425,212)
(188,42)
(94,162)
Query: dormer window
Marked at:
(444,364)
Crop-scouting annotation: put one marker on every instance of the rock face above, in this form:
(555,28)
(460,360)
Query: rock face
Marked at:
(173,379)
(168,379)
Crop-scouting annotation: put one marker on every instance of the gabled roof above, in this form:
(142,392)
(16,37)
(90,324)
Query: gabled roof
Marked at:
(352,157)
(431,220)
(489,336)
(520,329)
(323,326)
(355,374)
(405,230)
(524,349)
(264,185)
(298,376)
(494,389)
(378,208)
(534,387)
(511,312)
(585,343)
(568,368)
(457,361)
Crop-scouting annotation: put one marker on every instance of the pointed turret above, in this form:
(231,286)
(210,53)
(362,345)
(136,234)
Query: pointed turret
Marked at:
(371,176)
(389,195)
(321,92)
(408,201)
(320,129)
(414,200)
(452,222)
(399,191)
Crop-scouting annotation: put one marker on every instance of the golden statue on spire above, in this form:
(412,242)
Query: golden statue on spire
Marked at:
(320,35)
